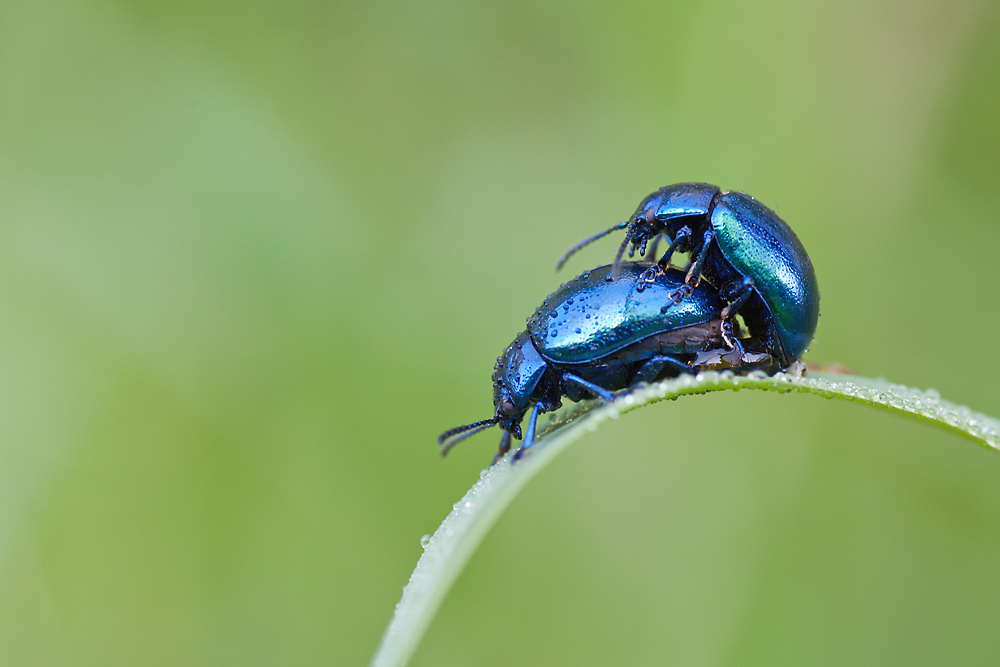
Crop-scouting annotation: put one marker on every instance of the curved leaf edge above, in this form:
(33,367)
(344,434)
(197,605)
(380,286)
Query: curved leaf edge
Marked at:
(458,536)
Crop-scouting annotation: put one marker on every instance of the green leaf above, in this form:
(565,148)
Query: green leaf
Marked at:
(451,546)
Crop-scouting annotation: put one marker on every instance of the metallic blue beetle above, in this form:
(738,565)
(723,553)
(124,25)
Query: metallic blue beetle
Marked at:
(598,334)
(743,248)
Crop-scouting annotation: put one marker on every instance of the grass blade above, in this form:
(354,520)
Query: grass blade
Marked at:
(462,531)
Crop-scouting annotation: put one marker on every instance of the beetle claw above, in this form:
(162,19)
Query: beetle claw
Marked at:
(651,274)
(676,296)
(731,341)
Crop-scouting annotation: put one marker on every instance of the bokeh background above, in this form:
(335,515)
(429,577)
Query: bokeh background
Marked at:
(255,256)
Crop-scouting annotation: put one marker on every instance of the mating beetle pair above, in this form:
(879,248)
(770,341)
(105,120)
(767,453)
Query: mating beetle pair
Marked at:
(626,323)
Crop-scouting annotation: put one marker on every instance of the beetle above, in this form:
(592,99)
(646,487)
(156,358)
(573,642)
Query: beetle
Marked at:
(743,248)
(600,333)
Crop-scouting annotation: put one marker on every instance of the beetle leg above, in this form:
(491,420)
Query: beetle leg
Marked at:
(694,271)
(529,435)
(730,339)
(683,234)
(599,392)
(736,294)
(653,367)
(676,297)
(649,276)
(504,447)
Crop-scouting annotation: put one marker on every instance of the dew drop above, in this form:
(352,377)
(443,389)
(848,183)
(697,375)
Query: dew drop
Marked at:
(425,541)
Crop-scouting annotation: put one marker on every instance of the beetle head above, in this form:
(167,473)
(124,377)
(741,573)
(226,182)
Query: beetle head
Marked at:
(643,224)
(516,377)
(508,415)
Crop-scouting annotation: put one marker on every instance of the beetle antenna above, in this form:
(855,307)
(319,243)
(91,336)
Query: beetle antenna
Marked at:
(463,432)
(616,269)
(465,427)
(586,242)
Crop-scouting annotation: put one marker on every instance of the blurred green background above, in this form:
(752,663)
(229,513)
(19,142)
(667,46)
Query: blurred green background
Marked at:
(254,257)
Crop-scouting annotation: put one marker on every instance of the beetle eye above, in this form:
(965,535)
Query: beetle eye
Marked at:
(507,406)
